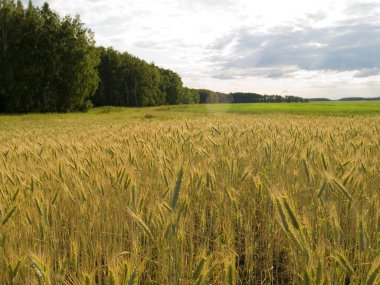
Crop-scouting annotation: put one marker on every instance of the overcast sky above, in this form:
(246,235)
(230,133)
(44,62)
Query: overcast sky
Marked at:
(325,48)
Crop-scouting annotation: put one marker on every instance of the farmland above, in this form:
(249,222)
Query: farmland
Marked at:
(211,194)
(313,108)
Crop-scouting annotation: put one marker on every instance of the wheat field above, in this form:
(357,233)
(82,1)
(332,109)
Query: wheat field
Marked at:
(234,199)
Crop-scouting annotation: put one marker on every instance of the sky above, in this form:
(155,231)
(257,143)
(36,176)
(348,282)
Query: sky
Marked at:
(325,48)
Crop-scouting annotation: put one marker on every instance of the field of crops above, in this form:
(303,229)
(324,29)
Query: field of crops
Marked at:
(340,108)
(234,199)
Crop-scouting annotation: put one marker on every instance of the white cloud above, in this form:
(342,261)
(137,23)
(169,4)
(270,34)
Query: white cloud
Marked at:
(261,46)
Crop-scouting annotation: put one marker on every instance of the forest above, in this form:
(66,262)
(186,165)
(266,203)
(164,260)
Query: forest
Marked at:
(50,63)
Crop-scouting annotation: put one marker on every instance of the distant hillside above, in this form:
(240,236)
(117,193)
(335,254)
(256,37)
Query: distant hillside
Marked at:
(359,99)
(345,99)
(319,99)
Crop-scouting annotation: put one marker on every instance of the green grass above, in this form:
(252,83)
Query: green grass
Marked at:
(209,110)
(314,108)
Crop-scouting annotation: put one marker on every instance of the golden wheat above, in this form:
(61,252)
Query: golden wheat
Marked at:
(217,200)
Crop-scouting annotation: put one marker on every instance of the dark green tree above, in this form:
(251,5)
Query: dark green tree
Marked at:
(126,80)
(173,86)
(47,63)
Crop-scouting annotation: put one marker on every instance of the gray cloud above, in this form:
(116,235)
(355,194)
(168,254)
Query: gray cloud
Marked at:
(111,26)
(345,47)
(157,45)
(362,8)
(35,2)
(317,16)
(149,45)
(204,3)
(367,73)
(236,73)
(349,45)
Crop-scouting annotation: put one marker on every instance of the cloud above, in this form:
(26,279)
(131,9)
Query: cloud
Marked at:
(367,73)
(316,16)
(238,73)
(157,45)
(343,47)
(362,8)
(199,4)
(34,2)
(149,45)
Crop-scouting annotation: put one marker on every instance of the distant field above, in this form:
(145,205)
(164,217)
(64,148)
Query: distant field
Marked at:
(192,195)
(200,110)
(313,108)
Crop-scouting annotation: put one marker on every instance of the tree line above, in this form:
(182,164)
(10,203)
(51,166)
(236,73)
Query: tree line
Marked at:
(126,80)
(208,96)
(47,63)
(50,63)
